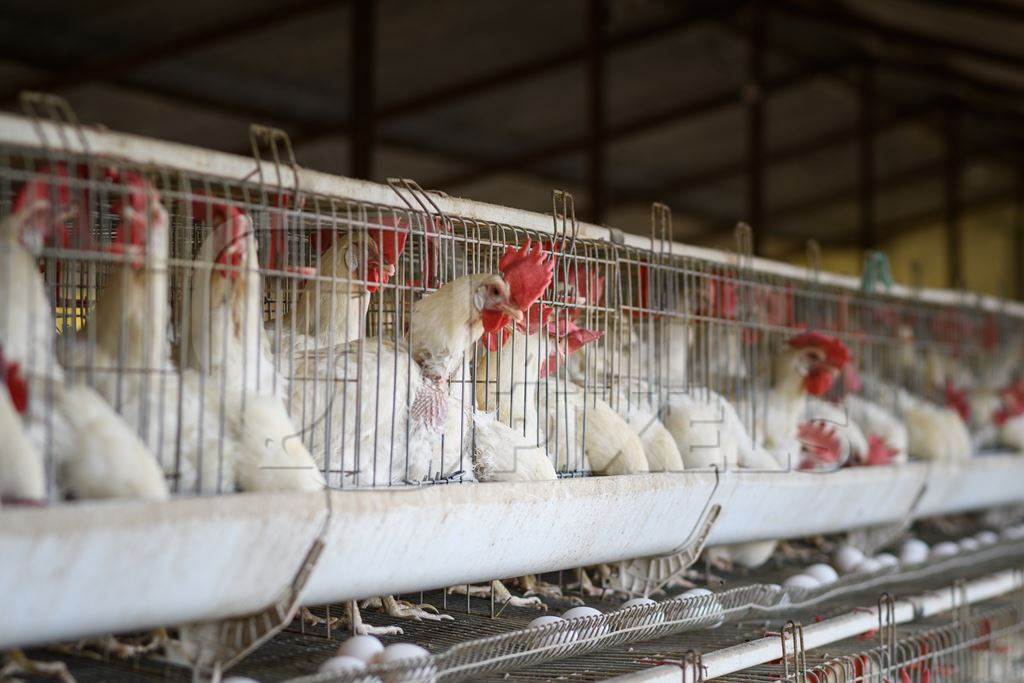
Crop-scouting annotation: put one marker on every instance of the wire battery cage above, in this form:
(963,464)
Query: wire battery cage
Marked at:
(187,330)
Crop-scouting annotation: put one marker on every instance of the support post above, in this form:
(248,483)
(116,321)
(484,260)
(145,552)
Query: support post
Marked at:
(362,88)
(952,197)
(596,188)
(866,158)
(755,126)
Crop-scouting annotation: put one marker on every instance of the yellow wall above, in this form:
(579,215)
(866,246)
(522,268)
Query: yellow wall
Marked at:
(987,255)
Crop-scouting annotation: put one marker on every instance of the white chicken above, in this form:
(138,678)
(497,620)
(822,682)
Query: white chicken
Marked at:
(806,368)
(22,471)
(95,453)
(331,306)
(628,371)
(386,429)
(230,350)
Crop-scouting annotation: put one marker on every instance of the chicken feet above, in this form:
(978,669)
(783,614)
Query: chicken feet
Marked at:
(403,609)
(501,594)
(19,663)
(353,618)
(531,585)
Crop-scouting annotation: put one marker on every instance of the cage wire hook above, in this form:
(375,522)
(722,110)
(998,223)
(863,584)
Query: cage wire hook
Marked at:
(887,624)
(795,631)
(274,139)
(563,209)
(692,663)
(425,213)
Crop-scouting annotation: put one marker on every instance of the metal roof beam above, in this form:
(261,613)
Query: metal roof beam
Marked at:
(110,68)
(727,98)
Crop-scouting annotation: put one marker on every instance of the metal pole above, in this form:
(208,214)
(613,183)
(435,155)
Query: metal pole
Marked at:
(596,109)
(755,127)
(866,157)
(1018,234)
(952,197)
(362,88)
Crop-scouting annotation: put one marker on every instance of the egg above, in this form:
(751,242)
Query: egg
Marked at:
(943,550)
(581,612)
(848,557)
(544,621)
(343,663)
(969,545)
(913,551)
(887,560)
(986,537)
(637,601)
(239,679)
(398,652)
(869,565)
(562,637)
(709,611)
(802,582)
(364,648)
(402,652)
(650,617)
(822,572)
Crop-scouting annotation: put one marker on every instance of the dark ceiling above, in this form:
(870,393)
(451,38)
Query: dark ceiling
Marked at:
(622,102)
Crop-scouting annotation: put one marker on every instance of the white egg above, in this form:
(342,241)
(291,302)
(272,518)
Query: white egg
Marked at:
(580,612)
(802,582)
(651,616)
(239,679)
(822,572)
(943,550)
(848,557)
(913,551)
(401,652)
(559,638)
(987,537)
(364,648)
(869,565)
(887,560)
(637,601)
(969,545)
(544,621)
(398,652)
(1014,533)
(343,663)
(710,611)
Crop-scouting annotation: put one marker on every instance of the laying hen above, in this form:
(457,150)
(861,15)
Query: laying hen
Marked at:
(95,453)
(22,471)
(331,306)
(629,372)
(230,350)
(806,367)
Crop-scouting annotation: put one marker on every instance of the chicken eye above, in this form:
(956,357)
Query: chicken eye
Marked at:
(495,291)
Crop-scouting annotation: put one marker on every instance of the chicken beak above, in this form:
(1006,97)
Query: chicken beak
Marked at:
(512,311)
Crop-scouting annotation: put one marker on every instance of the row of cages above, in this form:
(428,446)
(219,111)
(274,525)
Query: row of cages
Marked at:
(256,337)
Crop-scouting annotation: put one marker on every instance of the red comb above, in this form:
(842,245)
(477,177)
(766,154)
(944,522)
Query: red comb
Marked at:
(218,213)
(836,353)
(133,227)
(391,243)
(879,452)
(819,445)
(957,400)
(528,273)
(52,183)
(17,387)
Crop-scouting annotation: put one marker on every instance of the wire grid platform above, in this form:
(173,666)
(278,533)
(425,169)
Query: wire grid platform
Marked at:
(299,650)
